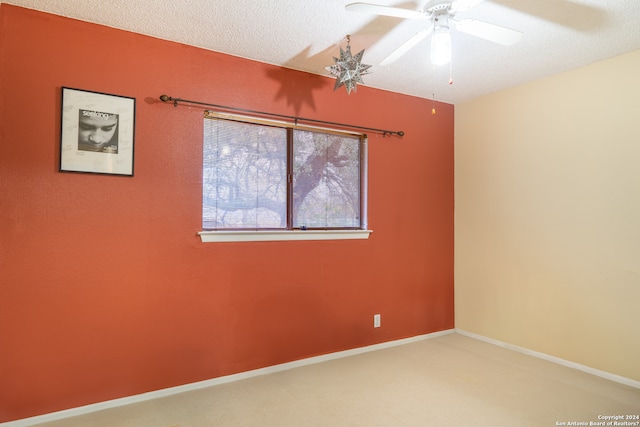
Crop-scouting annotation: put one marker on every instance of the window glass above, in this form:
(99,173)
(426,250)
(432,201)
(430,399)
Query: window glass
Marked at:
(326,180)
(264,176)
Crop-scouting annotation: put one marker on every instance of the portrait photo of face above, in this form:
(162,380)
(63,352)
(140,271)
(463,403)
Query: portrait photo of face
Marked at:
(98,132)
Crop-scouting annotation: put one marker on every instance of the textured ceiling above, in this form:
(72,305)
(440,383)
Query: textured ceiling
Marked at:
(559,35)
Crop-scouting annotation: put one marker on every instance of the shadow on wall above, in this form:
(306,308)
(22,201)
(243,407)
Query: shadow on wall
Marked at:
(297,92)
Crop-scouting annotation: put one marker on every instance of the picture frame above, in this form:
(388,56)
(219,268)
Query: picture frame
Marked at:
(97,133)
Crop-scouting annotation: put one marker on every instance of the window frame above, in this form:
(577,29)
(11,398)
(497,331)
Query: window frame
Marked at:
(263,234)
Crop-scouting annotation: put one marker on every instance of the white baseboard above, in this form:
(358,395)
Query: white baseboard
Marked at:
(82,410)
(603,374)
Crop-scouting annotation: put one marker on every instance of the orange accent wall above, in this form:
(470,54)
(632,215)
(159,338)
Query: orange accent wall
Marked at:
(105,289)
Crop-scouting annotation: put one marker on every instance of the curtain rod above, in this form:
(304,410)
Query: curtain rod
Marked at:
(166,98)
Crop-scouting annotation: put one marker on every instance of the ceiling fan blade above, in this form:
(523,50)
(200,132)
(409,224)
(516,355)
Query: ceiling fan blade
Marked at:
(495,33)
(406,46)
(462,5)
(384,10)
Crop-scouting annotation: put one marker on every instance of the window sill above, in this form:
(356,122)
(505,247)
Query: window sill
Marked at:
(279,235)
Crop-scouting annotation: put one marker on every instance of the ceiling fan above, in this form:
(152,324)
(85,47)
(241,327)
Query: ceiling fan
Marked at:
(440,15)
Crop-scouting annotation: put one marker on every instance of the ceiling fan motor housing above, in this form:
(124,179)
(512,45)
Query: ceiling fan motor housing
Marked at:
(439,12)
(435,7)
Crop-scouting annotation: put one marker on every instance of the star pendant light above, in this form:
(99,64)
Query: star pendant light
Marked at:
(348,69)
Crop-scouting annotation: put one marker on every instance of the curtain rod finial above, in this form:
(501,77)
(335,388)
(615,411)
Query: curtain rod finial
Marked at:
(164,98)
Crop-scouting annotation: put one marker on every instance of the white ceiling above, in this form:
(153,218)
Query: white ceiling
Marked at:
(559,35)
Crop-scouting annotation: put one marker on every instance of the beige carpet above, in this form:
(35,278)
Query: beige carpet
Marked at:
(451,380)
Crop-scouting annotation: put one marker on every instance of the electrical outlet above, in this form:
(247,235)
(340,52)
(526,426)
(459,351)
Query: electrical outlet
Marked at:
(376,320)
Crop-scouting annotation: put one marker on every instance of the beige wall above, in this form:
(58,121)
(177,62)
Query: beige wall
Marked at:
(547,217)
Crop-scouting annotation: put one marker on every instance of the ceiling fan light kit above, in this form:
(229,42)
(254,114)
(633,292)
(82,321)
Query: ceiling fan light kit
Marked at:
(441,46)
(441,41)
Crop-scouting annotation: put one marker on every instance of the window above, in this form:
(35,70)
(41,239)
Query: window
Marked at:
(267,175)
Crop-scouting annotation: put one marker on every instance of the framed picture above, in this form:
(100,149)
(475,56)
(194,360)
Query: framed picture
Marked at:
(97,132)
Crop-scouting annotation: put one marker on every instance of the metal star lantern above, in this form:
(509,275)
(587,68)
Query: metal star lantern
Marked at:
(348,69)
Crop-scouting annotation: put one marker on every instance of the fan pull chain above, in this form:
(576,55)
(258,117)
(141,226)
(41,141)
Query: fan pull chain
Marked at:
(433,93)
(433,89)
